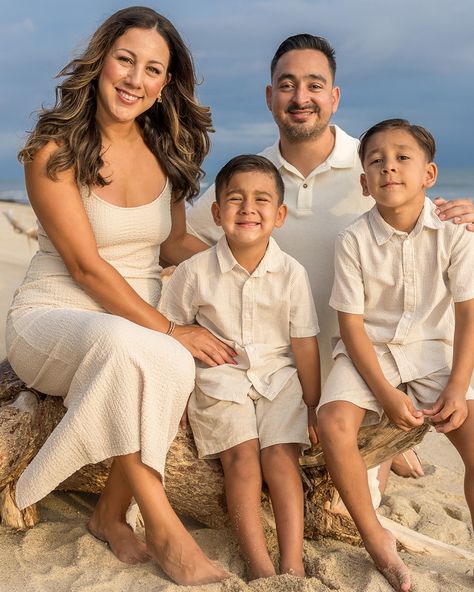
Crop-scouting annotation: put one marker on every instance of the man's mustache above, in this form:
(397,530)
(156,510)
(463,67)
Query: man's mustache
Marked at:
(294,107)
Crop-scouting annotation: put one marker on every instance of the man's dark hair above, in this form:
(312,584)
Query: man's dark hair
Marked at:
(248,163)
(422,136)
(306,41)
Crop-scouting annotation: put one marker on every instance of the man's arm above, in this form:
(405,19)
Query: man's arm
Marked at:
(460,211)
(199,220)
(450,410)
(306,352)
(396,404)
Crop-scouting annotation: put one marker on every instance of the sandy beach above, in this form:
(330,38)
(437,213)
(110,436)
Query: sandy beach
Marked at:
(59,555)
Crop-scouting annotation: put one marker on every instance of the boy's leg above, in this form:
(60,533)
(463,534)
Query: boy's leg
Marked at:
(283,432)
(281,472)
(463,440)
(243,487)
(338,426)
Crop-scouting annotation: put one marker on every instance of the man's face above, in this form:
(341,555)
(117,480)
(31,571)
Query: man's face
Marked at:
(302,97)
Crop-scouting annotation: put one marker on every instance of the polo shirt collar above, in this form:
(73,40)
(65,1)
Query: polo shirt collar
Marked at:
(343,155)
(383,231)
(272,261)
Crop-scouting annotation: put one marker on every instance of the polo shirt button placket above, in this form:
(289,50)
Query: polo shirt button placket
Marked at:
(305,198)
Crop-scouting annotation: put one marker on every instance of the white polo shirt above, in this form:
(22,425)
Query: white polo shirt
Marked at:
(405,284)
(255,314)
(319,206)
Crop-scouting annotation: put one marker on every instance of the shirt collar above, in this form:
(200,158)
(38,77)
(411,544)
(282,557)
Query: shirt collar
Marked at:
(383,231)
(343,156)
(272,261)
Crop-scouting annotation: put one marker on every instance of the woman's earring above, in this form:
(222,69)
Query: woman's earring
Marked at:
(158,98)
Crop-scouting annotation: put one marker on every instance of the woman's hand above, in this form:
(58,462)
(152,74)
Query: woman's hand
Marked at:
(204,346)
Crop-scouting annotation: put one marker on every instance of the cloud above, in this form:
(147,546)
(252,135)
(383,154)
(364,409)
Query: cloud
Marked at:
(17,28)
(246,134)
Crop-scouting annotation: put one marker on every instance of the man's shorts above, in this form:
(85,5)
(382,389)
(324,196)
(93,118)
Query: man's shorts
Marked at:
(344,383)
(220,425)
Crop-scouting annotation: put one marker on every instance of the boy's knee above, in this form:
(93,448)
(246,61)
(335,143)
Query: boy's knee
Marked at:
(242,460)
(334,424)
(281,454)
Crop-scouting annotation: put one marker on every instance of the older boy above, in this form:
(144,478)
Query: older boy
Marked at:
(255,414)
(398,271)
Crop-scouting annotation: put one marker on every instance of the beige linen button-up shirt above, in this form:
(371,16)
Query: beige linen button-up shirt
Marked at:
(255,314)
(404,285)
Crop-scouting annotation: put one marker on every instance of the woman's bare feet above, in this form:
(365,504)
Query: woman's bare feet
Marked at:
(183,560)
(123,542)
(388,562)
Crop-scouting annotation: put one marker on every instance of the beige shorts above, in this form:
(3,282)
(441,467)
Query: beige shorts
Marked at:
(220,425)
(344,383)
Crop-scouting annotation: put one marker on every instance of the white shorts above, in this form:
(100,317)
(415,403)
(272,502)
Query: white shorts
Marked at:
(344,383)
(220,425)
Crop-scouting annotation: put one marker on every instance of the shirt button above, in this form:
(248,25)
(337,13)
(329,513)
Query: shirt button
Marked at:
(305,185)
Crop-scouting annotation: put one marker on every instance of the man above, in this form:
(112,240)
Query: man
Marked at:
(320,169)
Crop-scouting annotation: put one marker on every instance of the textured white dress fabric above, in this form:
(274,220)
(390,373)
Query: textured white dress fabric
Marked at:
(124,386)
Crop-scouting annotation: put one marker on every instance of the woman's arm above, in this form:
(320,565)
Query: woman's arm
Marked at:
(60,210)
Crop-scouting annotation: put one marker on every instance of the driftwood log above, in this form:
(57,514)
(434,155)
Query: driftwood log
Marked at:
(194,487)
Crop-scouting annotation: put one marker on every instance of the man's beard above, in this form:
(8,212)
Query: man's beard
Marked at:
(300,132)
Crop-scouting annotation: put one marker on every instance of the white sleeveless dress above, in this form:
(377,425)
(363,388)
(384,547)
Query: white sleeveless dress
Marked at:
(125,387)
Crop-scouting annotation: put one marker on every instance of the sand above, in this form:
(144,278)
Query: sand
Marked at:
(59,555)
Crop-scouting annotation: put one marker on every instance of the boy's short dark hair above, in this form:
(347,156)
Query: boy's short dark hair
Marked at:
(422,136)
(248,163)
(306,41)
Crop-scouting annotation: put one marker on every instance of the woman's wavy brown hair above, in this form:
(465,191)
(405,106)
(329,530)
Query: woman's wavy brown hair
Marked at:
(175,130)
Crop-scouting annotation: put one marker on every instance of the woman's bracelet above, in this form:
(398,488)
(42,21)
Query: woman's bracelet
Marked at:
(171,328)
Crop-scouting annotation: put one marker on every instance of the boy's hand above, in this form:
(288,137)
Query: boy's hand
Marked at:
(460,211)
(401,411)
(313,426)
(449,411)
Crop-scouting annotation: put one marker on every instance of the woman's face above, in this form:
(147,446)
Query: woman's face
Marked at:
(134,73)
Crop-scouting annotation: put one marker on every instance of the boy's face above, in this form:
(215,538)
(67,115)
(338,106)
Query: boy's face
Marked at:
(248,209)
(396,169)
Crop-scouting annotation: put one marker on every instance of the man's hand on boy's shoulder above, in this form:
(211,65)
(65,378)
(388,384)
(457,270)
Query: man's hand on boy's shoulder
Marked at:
(401,411)
(460,211)
(450,410)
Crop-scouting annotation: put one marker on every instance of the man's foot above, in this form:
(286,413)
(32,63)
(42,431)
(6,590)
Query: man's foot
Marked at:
(123,542)
(184,562)
(388,562)
(407,464)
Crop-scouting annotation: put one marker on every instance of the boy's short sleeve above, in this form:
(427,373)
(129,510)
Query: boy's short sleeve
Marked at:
(348,288)
(461,268)
(303,317)
(176,302)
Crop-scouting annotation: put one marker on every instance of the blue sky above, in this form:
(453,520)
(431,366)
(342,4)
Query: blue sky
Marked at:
(410,58)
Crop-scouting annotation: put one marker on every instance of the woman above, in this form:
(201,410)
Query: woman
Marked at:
(107,171)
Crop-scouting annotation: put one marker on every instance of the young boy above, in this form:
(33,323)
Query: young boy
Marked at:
(398,272)
(254,415)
